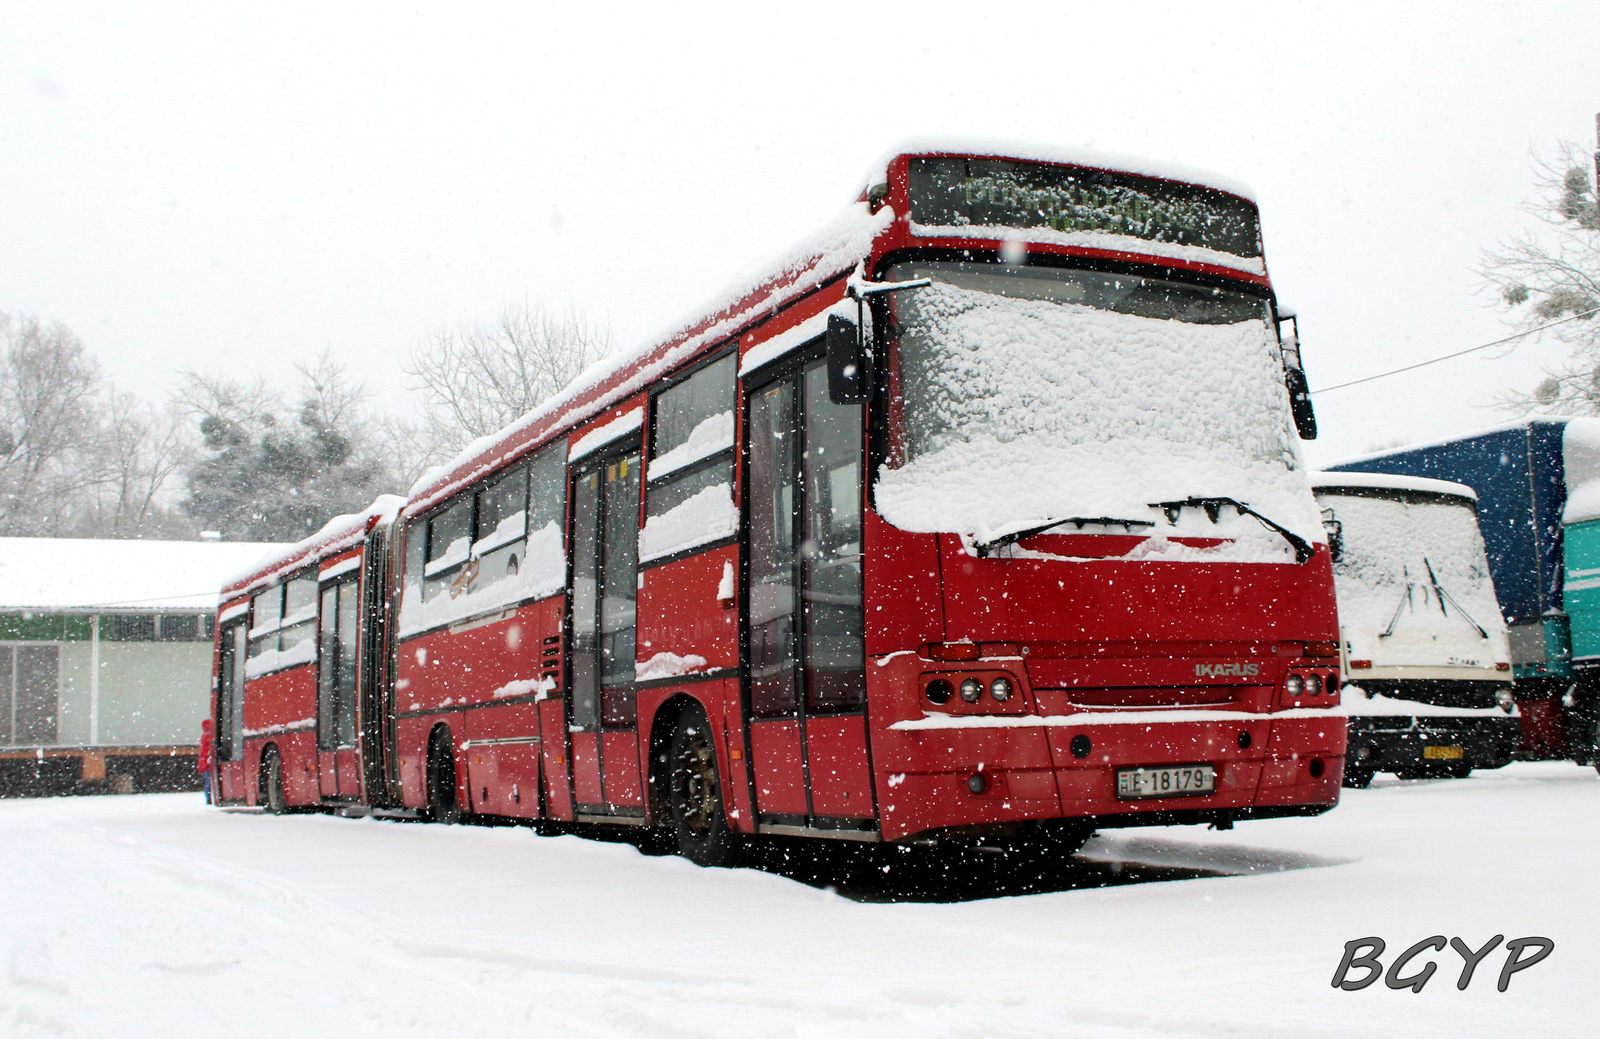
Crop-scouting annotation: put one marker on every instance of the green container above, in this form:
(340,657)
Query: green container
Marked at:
(1580,595)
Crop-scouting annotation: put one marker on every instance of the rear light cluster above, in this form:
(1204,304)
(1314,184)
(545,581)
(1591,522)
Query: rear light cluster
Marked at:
(1303,685)
(1309,684)
(971,690)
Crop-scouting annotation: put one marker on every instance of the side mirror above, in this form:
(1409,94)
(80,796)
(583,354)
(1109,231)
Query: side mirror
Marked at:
(847,362)
(1305,420)
(1294,375)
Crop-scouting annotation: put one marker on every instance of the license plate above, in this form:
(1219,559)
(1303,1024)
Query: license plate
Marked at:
(1166,782)
(1442,753)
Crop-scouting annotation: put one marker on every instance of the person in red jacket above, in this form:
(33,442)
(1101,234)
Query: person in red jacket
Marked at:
(205,761)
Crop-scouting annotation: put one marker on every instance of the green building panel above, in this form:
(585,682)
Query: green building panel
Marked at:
(45,627)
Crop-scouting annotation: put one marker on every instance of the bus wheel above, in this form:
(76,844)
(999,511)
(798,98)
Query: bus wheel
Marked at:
(694,797)
(272,782)
(442,804)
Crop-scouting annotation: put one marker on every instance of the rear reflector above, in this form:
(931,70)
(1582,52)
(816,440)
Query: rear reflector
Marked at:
(1360,665)
(1502,666)
(953,651)
(1322,649)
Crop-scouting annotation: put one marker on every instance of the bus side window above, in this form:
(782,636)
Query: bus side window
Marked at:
(547,520)
(416,536)
(689,491)
(449,544)
(502,526)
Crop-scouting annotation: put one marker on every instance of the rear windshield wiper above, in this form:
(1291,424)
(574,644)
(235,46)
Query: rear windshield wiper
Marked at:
(1443,595)
(983,548)
(1213,506)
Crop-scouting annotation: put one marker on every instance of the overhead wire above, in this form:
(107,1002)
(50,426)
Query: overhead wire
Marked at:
(1459,353)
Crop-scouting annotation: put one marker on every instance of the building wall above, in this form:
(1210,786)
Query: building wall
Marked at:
(153,692)
(150,692)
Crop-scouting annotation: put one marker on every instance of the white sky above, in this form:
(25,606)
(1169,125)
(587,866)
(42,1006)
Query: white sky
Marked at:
(234,189)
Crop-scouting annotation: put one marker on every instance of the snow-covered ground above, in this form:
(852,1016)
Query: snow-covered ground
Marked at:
(154,916)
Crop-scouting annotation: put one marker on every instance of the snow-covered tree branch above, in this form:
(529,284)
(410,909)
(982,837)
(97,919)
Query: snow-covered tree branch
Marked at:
(272,472)
(1552,273)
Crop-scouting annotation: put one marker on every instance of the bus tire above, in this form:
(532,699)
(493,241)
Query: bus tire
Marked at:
(443,806)
(694,795)
(271,796)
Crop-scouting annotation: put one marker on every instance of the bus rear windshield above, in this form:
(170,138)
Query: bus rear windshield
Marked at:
(957,192)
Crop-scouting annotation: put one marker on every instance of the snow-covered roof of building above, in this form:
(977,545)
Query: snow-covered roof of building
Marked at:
(1391,482)
(81,574)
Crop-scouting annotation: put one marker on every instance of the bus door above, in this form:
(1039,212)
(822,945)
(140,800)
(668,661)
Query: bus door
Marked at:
(604,593)
(805,664)
(230,713)
(337,761)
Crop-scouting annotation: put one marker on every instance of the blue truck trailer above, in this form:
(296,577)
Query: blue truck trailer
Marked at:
(1520,474)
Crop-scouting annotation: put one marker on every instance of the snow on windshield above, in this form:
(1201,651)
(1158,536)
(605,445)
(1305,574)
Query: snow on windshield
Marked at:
(1394,561)
(1022,411)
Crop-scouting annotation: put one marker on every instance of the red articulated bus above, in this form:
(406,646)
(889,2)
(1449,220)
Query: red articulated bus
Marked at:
(981,516)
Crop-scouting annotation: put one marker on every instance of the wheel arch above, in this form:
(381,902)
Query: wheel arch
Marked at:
(268,750)
(441,740)
(662,725)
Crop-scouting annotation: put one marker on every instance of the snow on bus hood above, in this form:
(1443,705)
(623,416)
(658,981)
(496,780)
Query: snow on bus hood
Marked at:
(1051,411)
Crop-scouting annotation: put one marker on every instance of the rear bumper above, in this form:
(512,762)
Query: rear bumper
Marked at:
(1264,765)
(1388,743)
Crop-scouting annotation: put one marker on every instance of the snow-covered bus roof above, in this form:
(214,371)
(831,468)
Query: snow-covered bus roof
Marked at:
(82,575)
(336,535)
(813,263)
(754,298)
(1325,481)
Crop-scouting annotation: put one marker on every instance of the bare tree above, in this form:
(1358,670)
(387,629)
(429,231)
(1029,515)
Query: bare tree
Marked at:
(143,448)
(1553,274)
(49,426)
(77,458)
(480,377)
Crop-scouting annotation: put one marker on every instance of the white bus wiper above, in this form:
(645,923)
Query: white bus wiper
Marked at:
(1444,595)
(1213,506)
(983,548)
